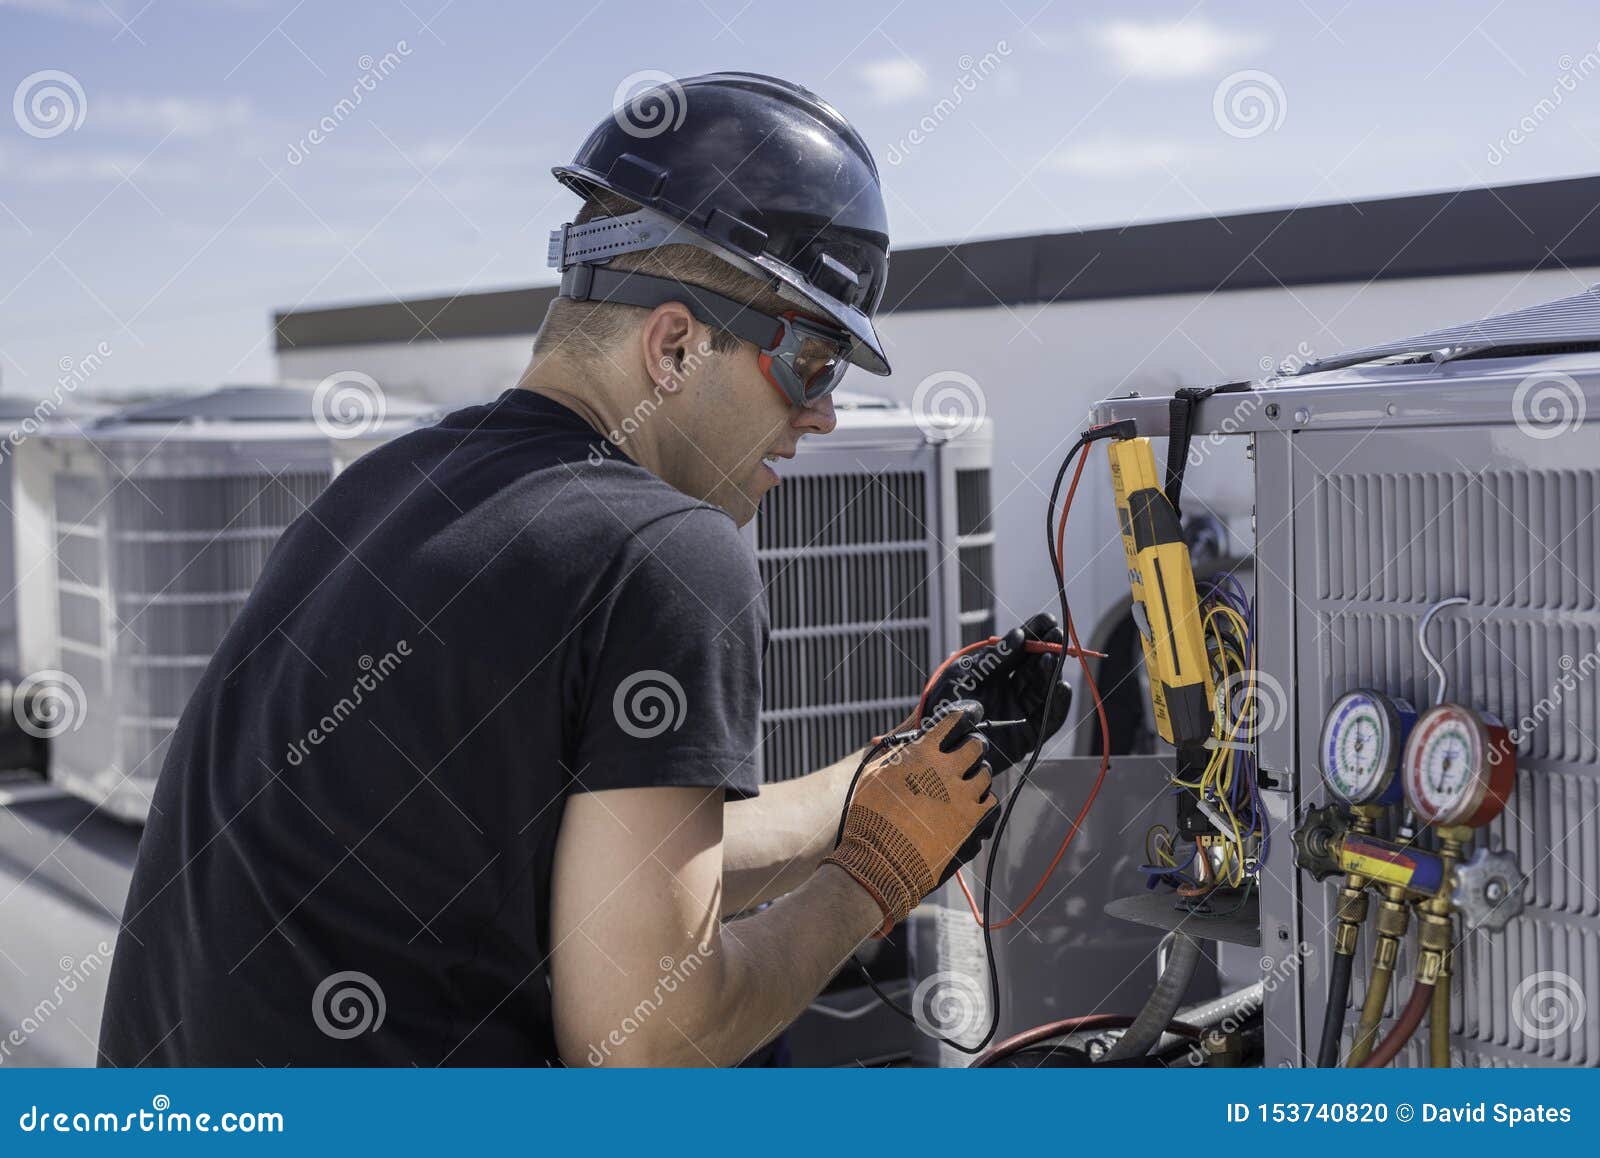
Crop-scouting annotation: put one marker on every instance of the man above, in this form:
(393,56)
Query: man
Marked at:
(471,779)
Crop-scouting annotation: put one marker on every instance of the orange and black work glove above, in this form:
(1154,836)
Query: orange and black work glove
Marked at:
(1011,683)
(920,811)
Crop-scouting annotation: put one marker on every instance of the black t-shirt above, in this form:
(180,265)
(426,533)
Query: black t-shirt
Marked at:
(359,809)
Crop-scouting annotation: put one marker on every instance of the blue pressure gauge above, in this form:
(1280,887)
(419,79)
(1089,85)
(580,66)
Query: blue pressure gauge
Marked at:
(1363,739)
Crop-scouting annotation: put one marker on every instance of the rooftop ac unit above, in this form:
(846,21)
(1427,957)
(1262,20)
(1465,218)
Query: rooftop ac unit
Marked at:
(142,534)
(139,537)
(1462,465)
(877,555)
(22,419)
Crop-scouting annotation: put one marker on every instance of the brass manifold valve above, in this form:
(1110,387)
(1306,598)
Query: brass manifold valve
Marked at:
(1454,768)
(1485,889)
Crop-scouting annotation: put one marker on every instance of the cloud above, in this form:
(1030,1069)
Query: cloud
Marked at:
(894,79)
(1118,158)
(58,167)
(78,11)
(299,234)
(180,116)
(110,13)
(1173,50)
(449,153)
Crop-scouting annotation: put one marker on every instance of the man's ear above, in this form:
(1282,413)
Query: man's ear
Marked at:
(667,337)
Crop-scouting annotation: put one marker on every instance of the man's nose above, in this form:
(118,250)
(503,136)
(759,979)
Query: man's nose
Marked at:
(817,417)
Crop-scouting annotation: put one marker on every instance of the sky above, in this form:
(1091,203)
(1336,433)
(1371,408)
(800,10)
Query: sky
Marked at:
(161,194)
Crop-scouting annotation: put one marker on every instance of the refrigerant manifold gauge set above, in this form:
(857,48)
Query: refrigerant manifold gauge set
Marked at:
(1452,768)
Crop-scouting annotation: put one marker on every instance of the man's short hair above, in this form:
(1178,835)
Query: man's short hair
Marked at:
(585,330)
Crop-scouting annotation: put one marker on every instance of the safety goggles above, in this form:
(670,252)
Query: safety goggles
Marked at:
(806,359)
(802,357)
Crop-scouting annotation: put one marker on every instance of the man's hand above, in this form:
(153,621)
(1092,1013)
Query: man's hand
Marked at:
(1011,683)
(919,812)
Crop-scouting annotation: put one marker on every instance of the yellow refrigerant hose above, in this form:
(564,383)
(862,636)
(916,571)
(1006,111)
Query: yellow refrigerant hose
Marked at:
(1393,919)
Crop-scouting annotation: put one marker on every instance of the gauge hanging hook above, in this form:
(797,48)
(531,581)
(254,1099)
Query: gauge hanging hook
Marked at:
(1422,643)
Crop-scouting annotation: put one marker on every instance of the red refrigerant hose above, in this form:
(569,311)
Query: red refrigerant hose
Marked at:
(1066,1027)
(1410,1019)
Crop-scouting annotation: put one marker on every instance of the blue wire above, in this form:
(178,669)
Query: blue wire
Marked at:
(1227,590)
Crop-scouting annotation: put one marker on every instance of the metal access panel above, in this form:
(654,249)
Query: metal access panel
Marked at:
(1394,522)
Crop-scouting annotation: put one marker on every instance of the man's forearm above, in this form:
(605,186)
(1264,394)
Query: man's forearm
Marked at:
(773,843)
(773,963)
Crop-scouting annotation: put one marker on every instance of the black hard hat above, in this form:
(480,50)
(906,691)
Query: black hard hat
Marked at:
(762,173)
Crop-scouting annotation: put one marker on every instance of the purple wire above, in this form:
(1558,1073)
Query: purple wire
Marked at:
(1227,590)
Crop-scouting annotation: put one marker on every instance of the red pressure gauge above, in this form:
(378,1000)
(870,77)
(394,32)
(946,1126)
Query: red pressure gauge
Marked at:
(1460,766)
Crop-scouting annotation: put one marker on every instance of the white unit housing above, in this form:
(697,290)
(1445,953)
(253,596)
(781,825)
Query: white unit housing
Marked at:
(877,557)
(139,537)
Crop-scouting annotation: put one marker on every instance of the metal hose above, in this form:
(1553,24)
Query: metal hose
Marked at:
(1237,1006)
(1241,1002)
(1158,1012)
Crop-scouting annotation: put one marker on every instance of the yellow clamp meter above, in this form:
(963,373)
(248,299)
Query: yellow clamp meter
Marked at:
(1166,606)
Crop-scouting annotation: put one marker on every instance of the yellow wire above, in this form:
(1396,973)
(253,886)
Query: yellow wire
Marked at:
(1228,633)
(1219,621)
(1155,854)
